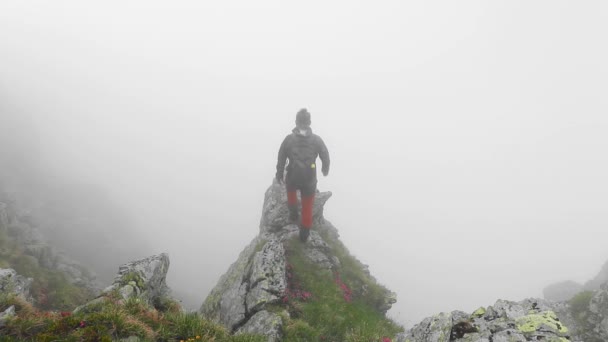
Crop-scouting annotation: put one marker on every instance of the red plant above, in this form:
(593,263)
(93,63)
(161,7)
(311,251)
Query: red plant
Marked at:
(347,293)
(386,339)
(294,288)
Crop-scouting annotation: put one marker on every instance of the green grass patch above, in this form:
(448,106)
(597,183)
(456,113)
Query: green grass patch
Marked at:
(324,306)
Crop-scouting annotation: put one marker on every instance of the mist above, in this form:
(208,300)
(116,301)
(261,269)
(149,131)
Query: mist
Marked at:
(468,139)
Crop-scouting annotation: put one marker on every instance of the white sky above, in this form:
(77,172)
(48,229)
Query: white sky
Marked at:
(468,139)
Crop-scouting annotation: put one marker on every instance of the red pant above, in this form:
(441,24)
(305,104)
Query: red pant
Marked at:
(307,202)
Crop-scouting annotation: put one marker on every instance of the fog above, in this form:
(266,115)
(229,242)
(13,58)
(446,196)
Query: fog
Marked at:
(468,139)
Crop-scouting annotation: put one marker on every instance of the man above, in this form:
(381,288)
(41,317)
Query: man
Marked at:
(301,148)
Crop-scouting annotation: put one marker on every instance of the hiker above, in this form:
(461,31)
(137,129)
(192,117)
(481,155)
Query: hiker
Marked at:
(302,147)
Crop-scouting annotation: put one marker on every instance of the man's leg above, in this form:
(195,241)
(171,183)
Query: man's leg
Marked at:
(292,203)
(308,199)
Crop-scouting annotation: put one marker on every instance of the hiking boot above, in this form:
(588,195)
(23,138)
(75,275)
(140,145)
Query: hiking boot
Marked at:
(304,233)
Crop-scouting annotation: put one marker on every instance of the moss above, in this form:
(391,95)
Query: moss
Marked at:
(479,312)
(533,322)
(133,278)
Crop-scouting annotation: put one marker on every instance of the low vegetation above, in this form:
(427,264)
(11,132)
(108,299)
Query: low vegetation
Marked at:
(579,307)
(330,306)
(111,319)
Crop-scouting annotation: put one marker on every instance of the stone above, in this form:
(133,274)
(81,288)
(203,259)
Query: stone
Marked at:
(506,321)
(267,281)
(6,315)
(143,279)
(264,323)
(11,282)
(149,275)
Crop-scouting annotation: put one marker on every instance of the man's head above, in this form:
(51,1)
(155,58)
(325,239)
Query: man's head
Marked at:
(303,119)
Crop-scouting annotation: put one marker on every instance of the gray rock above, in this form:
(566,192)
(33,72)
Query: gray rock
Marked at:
(227,298)
(143,279)
(6,315)
(508,335)
(264,323)
(562,291)
(127,291)
(11,282)
(527,320)
(148,276)
(267,281)
(232,306)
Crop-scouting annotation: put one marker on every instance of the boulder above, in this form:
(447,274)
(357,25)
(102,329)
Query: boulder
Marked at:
(11,282)
(528,320)
(143,279)
(264,323)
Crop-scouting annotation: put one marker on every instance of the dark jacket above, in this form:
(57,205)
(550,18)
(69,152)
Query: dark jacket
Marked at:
(302,150)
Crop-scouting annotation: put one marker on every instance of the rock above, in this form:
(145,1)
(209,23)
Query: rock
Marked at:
(6,315)
(267,281)
(146,278)
(11,282)
(527,320)
(562,291)
(258,278)
(143,279)
(264,323)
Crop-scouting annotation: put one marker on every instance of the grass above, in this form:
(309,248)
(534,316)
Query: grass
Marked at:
(579,307)
(323,306)
(110,320)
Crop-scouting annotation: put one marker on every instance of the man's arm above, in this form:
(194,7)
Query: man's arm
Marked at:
(324,155)
(282,159)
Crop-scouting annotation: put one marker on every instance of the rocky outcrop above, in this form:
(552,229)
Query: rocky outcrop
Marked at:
(505,321)
(11,282)
(563,291)
(258,278)
(144,278)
